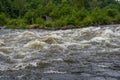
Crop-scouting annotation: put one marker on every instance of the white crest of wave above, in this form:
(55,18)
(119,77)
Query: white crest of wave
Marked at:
(28,34)
(117,29)
(53,39)
(107,33)
(35,43)
(100,39)
(2,43)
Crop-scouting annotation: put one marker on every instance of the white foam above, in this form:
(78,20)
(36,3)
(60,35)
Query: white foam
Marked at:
(2,43)
(35,43)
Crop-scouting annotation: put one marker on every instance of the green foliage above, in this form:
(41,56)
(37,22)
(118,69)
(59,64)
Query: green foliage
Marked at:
(112,12)
(95,3)
(3,19)
(19,6)
(29,17)
(48,24)
(62,10)
(87,21)
(99,16)
(16,23)
(117,18)
(39,11)
(24,13)
(81,14)
(39,21)
(49,7)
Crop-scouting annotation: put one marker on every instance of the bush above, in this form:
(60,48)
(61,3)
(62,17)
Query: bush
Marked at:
(65,21)
(81,14)
(117,18)
(100,17)
(29,17)
(112,12)
(70,20)
(40,21)
(62,10)
(49,24)
(16,23)
(60,22)
(113,6)
(3,19)
(87,21)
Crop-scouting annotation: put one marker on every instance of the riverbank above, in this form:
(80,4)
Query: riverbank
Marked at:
(76,27)
(66,27)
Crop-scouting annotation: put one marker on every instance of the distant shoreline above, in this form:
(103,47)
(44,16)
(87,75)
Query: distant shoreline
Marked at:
(66,27)
(75,27)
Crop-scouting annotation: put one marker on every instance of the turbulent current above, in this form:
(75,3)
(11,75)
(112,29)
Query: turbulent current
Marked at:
(93,52)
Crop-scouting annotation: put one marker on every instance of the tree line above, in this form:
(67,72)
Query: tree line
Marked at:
(63,13)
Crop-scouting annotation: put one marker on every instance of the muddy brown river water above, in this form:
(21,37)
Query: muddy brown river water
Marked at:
(91,53)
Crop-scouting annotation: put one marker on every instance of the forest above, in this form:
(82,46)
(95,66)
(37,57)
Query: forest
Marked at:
(58,13)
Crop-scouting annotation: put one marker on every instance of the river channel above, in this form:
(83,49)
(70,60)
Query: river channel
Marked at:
(91,53)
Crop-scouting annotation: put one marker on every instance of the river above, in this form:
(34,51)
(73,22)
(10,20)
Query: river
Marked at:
(91,53)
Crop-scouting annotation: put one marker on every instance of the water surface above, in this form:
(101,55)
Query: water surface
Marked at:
(91,53)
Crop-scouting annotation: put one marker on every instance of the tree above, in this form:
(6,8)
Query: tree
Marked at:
(3,19)
(19,5)
(79,3)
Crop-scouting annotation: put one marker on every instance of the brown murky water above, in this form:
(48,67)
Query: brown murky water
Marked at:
(91,53)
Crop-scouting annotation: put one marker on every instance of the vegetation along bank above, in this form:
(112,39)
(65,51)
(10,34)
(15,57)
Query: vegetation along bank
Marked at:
(58,13)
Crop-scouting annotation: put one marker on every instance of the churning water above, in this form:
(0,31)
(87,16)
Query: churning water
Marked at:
(85,51)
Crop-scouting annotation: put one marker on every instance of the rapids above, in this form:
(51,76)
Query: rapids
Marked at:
(88,51)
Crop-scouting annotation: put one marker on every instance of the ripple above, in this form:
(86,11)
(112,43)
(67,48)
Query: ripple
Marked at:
(75,48)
